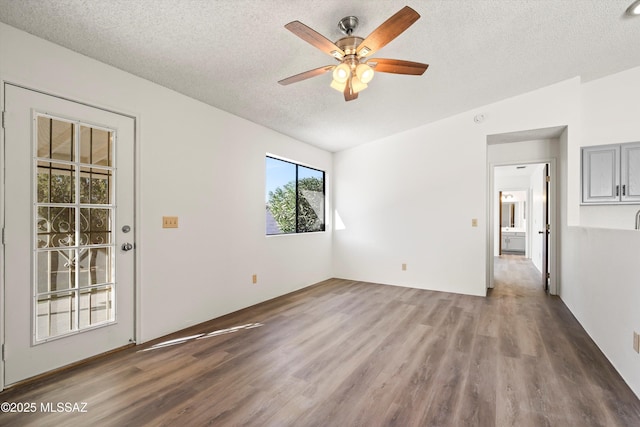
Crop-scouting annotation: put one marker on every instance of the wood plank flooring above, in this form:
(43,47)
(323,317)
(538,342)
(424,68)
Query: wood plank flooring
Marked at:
(344,353)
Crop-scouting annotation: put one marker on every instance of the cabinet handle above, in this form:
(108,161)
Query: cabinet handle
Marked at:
(617,190)
(624,189)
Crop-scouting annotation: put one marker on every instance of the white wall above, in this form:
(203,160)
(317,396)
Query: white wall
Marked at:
(601,266)
(197,162)
(600,285)
(410,198)
(610,114)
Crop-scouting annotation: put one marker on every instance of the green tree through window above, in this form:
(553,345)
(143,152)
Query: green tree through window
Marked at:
(295,198)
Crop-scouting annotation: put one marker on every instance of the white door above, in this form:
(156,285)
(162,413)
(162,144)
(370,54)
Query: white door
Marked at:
(68,223)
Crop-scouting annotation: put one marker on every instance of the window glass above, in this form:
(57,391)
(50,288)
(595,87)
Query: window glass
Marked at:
(310,199)
(294,198)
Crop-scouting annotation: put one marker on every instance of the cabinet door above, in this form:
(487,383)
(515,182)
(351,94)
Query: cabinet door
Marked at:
(505,243)
(601,174)
(630,172)
(516,244)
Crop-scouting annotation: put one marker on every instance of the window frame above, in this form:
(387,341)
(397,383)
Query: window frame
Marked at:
(297,165)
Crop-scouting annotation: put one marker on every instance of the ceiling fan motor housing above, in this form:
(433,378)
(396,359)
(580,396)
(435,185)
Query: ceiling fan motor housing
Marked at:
(349,45)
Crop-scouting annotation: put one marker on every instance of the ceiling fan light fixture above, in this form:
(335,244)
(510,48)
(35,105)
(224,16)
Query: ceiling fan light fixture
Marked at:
(338,85)
(634,8)
(352,74)
(357,85)
(364,73)
(341,73)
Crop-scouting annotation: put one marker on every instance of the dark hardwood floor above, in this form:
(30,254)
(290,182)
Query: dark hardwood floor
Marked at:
(344,353)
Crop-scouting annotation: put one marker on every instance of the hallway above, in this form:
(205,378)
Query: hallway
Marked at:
(516,275)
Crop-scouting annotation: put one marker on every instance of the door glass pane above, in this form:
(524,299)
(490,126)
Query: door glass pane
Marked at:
(95,266)
(95,186)
(95,146)
(95,226)
(55,226)
(75,253)
(44,137)
(96,306)
(56,270)
(55,182)
(56,315)
(55,139)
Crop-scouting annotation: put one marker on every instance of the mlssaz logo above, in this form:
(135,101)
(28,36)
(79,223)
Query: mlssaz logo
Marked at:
(63,407)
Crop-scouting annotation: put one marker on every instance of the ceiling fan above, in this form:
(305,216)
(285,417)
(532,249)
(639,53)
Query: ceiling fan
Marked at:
(355,70)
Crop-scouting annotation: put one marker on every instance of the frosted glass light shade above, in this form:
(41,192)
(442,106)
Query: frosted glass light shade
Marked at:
(341,73)
(364,73)
(338,86)
(357,85)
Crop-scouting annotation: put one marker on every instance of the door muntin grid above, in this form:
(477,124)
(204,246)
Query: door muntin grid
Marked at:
(74,214)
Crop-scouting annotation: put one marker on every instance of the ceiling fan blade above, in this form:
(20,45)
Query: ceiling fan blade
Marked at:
(397,66)
(306,75)
(389,30)
(349,94)
(314,38)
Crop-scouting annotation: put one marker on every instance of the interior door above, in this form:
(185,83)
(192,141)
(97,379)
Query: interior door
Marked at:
(68,224)
(546,228)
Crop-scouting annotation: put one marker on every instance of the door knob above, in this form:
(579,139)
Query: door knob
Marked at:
(127,247)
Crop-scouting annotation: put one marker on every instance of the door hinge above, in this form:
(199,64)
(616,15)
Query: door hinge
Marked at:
(548,178)
(2,235)
(2,352)
(3,120)
(548,275)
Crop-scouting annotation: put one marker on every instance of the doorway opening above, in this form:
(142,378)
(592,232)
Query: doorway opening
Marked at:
(521,225)
(530,161)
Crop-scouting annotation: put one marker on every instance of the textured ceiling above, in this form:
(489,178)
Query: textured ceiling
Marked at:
(231,53)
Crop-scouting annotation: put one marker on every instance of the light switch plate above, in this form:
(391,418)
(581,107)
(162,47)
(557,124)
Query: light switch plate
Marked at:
(169,222)
(636,342)
(474,222)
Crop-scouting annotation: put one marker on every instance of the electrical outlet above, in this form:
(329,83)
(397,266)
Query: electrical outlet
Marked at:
(254,279)
(169,222)
(636,342)
(404,267)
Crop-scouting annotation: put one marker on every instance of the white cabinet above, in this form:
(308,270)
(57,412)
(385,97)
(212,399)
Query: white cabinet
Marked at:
(611,173)
(630,172)
(513,241)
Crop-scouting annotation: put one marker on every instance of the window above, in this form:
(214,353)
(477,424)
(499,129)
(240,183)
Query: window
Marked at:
(294,198)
